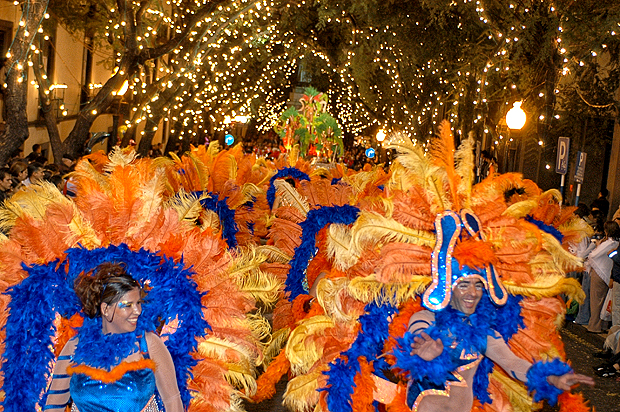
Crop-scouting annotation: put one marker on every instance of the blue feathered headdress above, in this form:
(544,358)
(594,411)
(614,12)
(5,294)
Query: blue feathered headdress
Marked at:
(48,290)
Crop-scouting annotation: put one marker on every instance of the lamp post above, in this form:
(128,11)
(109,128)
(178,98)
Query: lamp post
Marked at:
(515,120)
(115,116)
(380,138)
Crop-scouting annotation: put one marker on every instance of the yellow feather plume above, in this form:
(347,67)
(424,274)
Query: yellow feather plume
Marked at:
(241,378)
(224,350)
(248,191)
(373,229)
(464,158)
(302,353)
(32,201)
(516,392)
(187,205)
(302,391)
(261,331)
(339,247)
(368,289)
(562,257)
(329,294)
(277,343)
(413,159)
(273,254)
(120,157)
(548,288)
(245,260)
(263,287)
(151,200)
(213,149)
(85,171)
(291,197)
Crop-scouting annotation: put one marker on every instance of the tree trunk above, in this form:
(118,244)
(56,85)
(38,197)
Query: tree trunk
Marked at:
(147,138)
(16,92)
(49,115)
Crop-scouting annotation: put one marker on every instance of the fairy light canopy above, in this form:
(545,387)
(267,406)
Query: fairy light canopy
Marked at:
(400,68)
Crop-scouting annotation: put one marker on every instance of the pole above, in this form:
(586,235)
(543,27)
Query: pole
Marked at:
(562,188)
(578,193)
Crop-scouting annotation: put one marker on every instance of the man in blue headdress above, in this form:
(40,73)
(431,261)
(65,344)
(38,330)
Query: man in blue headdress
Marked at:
(447,349)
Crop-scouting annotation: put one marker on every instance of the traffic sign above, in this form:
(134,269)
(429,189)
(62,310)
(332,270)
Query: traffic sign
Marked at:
(580,168)
(370,152)
(561,161)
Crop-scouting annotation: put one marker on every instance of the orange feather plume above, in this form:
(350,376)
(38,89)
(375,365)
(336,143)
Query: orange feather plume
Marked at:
(572,402)
(474,253)
(400,261)
(442,151)
(266,382)
(362,397)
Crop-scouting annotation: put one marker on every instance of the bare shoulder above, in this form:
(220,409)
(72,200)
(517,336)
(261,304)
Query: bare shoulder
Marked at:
(69,348)
(152,339)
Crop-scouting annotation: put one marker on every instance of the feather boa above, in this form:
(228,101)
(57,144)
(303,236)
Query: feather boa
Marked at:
(546,228)
(226,215)
(48,290)
(116,373)
(111,348)
(283,173)
(472,332)
(315,221)
(374,330)
(537,380)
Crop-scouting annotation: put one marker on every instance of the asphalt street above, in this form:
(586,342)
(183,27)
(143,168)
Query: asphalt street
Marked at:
(580,346)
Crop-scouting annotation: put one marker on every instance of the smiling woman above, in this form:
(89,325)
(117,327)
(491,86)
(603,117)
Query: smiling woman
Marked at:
(111,364)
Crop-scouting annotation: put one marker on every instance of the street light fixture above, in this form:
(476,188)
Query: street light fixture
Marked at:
(515,118)
(380,138)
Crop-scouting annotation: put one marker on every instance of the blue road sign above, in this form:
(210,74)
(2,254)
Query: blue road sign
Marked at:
(370,152)
(561,160)
(580,168)
(229,139)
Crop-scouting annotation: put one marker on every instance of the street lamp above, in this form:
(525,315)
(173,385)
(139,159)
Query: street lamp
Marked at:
(380,138)
(117,113)
(515,118)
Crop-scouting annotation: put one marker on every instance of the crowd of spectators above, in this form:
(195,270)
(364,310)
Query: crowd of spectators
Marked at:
(22,171)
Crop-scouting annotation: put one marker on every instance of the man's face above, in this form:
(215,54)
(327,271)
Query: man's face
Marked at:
(6,183)
(466,294)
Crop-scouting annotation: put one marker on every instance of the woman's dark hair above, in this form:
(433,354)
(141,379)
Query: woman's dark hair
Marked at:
(612,229)
(108,283)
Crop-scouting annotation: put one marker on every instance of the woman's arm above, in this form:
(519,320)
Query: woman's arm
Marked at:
(165,376)
(58,392)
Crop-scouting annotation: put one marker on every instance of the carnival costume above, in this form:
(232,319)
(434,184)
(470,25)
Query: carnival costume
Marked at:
(196,290)
(351,351)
